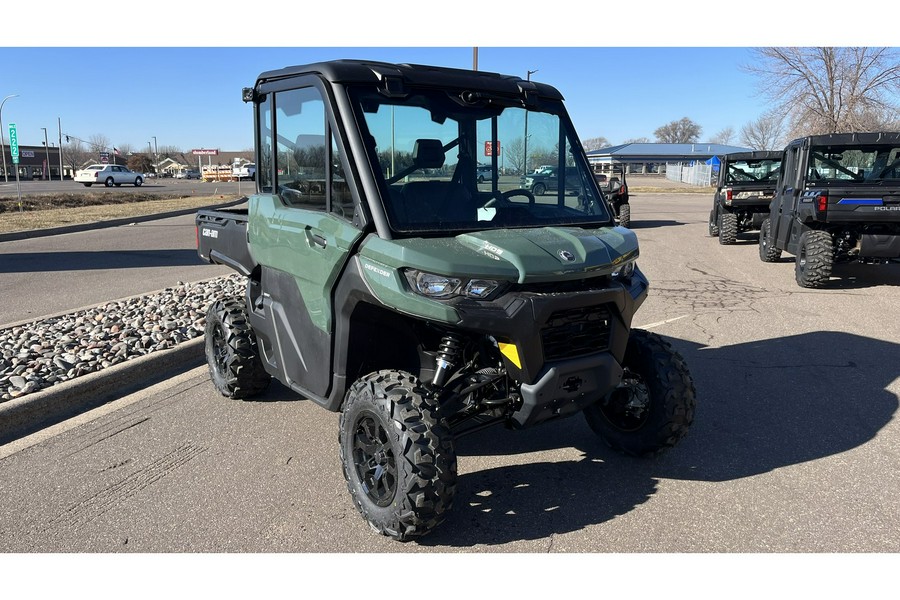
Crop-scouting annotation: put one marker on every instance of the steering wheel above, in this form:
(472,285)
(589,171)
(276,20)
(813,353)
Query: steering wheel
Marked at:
(502,199)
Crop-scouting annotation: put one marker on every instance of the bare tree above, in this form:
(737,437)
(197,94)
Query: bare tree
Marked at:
(765,133)
(75,156)
(830,90)
(99,143)
(723,137)
(595,143)
(640,140)
(683,131)
(515,155)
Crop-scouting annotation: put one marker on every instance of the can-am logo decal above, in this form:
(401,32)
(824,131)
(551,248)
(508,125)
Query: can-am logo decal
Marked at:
(566,255)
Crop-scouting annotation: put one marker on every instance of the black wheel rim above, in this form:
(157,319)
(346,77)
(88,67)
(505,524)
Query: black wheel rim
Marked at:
(627,407)
(220,349)
(373,456)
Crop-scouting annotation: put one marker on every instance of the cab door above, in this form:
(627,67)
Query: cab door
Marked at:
(787,196)
(308,236)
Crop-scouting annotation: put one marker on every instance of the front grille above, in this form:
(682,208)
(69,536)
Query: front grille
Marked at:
(576,332)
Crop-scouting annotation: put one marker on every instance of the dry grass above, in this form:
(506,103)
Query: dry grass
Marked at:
(46,213)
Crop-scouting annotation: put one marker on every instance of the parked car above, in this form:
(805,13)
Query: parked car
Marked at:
(180,175)
(108,175)
(547,180)
(191,174)
(483,173)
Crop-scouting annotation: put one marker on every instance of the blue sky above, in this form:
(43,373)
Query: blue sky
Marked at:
(191,97)
(177,74)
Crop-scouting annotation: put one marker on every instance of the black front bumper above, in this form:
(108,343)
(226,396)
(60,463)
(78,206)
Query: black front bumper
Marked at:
(569,344)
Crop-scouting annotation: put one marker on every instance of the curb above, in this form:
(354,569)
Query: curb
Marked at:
(22,416)
(35,233)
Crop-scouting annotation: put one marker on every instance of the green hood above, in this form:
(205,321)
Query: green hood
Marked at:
(520,255)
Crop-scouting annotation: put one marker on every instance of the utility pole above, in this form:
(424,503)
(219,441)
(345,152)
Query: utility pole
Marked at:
(156,148)
(59,126)
(475,58)
(2,141)
(525,151)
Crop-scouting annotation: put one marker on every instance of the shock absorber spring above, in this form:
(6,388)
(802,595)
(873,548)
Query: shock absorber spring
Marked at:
(449,351)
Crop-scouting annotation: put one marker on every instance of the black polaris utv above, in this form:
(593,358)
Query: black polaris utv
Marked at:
(386,283)
(837,200)
(744,190)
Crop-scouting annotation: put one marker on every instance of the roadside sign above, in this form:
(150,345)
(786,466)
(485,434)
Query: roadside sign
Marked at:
(104,157)
(13,143)
(204,152)
(490,149)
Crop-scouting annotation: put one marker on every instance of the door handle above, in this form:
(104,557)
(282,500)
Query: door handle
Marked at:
(316,239)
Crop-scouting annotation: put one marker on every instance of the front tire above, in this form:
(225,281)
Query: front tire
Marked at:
(653,407)
(232,354)
(87,184)
(625,215)
(713,228)
(768,252)
(538,189)
(397,455)
(815,257)
(138,182)
(727,229)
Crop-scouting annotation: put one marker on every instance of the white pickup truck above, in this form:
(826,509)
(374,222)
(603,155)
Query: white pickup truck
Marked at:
(246,171)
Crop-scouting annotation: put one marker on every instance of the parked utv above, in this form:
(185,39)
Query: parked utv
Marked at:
(744,190)
(616,190)
(385,283)
(837,200)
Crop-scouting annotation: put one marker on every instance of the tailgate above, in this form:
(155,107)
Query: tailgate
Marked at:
(222,239)
(864,206)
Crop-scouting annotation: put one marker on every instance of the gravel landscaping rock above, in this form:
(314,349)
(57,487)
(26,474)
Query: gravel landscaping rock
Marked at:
(46,352)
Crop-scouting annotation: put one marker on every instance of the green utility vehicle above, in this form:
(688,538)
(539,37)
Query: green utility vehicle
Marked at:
(387,283)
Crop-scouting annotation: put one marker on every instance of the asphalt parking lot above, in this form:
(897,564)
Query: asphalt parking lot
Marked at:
(795,445)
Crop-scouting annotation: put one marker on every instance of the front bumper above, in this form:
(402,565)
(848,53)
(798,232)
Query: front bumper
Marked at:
(569,344)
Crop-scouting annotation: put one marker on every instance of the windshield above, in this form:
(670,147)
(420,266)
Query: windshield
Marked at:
(854,163)
(445,164)
(753,171)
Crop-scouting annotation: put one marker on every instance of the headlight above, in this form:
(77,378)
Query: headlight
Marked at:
(442,286)
(625,271)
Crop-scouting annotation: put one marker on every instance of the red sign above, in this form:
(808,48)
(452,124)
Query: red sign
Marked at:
(204,152)
(489,149)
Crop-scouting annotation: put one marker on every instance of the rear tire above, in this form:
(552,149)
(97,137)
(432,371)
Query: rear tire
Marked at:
(815,257)
(727,229)
(397,455)
(768,252)
(87,184)
(232,354)
(625,215)
(653,407)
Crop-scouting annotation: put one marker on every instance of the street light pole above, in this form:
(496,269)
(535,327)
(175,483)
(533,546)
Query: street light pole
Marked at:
(2,141)
(150,152)
(47,150)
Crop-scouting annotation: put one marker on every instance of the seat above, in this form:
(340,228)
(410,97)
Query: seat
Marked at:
(436,202)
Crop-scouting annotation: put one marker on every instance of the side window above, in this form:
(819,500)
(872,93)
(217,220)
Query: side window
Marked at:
(266,145)
(300,150)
